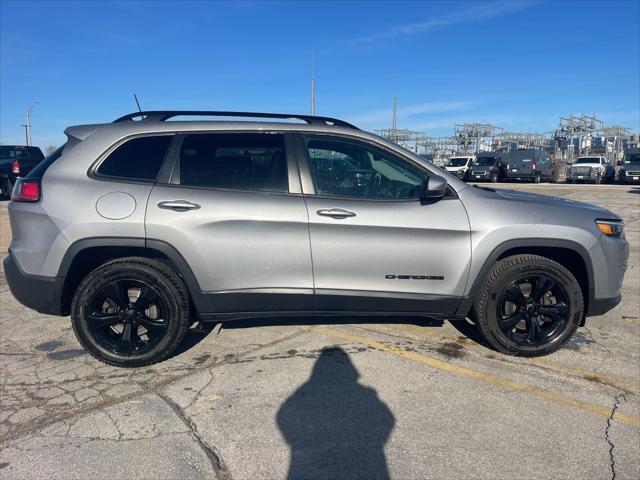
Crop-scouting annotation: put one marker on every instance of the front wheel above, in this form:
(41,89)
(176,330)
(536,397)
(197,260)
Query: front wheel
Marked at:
(7,188)
(131,312)
(528,305)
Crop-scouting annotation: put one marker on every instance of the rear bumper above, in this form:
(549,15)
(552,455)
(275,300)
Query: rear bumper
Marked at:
(42,294)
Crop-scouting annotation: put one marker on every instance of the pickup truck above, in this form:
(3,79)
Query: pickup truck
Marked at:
(16,161)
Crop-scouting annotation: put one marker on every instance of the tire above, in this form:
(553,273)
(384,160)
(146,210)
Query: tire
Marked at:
(539,329)
(7,188)
(155,329)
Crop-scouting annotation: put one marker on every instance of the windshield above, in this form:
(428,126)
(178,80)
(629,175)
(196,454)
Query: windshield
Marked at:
(588,160)
(485,161)
(631,158)
(457,162)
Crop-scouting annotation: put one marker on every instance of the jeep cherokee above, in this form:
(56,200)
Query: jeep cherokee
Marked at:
(141,227)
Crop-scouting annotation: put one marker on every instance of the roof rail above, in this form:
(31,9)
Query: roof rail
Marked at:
(163,115)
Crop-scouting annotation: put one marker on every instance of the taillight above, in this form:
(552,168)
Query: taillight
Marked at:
(16,166)
(26,191)
(533,165)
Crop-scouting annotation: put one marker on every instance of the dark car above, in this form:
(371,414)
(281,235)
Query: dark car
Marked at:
(488,167)
(529,165)
(630,166)
(16,161)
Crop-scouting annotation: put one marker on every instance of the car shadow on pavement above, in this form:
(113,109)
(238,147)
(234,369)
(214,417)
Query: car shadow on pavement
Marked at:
(634,190)
(335,427)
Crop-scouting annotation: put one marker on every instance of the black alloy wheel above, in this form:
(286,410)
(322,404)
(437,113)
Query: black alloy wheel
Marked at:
(533,310)
(128,316)
(528,305)
(131,312)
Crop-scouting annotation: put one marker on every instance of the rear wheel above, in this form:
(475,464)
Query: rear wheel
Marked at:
(7,188)
(528,305)
(131,312)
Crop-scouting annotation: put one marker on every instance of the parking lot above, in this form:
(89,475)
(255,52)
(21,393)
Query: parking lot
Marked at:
(404,398)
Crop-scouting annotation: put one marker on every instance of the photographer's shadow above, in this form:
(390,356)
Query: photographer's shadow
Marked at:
(335,427)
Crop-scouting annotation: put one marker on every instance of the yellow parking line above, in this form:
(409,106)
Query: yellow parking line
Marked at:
(591,375)
(484,377)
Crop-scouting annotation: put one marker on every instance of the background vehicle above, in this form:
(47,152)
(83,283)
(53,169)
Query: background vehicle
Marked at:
(459,166)
(16,161)
(591,169)
(630,166)
(487,167)
(530,164)
(139,228)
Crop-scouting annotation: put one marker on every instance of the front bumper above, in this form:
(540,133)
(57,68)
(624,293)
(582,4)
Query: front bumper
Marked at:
(480,176)
(629,177)
(584,177)
(42,294)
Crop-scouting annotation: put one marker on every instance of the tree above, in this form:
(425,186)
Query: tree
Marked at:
(48,150)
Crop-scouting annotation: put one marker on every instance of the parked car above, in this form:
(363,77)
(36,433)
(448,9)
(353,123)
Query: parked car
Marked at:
(591,169)
(529,165)
(630,166)
(488,167)
(459,166)
(16,161)
(138,228)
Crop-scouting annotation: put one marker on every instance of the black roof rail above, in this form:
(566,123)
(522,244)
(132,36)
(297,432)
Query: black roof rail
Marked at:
(163,115)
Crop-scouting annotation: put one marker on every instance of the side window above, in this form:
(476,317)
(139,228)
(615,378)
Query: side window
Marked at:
(348,168)
(238,161)
(137,159)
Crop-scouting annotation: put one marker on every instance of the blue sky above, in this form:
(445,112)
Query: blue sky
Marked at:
(518,65)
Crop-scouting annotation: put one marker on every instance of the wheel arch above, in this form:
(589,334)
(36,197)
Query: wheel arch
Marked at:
(86,255)
(571,255)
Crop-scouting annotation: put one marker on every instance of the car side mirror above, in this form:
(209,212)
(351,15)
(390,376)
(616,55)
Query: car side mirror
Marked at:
(435,187)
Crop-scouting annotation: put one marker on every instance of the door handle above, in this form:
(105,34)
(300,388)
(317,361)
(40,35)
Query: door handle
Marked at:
(178,205)
(338,213)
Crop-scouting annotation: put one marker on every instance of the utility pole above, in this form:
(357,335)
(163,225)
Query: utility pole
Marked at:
(394,120)
(313,87)
(28,125)
(26,134)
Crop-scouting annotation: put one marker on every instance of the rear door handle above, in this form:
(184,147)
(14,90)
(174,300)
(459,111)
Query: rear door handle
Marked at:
(178,205)
(338,213)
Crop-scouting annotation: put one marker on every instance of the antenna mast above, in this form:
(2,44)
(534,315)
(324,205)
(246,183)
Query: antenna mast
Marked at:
(313,87)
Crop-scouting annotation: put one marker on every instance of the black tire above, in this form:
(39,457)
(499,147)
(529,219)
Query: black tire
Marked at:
(7,188)
(529,328)
(155,329)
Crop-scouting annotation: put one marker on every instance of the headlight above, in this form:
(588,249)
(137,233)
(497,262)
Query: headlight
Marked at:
(611,228)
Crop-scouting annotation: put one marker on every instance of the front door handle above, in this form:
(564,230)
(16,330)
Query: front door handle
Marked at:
(178,205)
(338,213)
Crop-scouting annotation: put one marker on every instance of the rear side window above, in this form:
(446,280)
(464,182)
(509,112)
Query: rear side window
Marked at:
(136,159)
(237,161)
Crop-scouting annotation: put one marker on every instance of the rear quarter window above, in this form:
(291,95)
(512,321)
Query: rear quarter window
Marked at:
(137,159)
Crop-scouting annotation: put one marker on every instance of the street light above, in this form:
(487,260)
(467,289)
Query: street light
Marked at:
(28,125)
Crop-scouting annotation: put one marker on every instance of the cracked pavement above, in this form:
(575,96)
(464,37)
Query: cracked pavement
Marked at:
(351,398)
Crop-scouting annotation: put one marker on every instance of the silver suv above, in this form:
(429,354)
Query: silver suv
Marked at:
(141,227)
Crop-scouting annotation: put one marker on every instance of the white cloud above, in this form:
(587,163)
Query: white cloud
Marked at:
(376,117)
(474,14)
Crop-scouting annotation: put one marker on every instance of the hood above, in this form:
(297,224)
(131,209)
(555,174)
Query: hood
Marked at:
(552,201)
